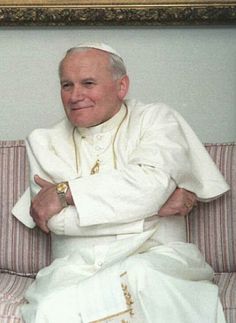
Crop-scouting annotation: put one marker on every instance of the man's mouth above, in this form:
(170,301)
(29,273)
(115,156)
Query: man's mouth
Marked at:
(80,108)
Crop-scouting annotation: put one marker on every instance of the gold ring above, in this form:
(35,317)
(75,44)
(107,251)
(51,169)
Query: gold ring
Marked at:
(188,205)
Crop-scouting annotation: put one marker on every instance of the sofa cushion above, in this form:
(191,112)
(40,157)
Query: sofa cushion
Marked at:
(22,250)
(12,289)
(227,290)
(212,226)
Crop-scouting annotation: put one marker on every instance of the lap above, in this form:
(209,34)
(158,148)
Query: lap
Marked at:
(181,260)
(158,282)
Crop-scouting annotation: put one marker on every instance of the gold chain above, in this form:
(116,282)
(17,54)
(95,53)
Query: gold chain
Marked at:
(75,150)
(95,169)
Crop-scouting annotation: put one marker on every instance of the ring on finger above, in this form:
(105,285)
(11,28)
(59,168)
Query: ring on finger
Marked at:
(188,205)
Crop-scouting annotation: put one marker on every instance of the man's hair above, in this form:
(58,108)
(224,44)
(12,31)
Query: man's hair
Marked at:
(117,65)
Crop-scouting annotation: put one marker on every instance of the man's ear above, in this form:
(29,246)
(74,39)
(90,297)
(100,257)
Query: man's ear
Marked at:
(123,87)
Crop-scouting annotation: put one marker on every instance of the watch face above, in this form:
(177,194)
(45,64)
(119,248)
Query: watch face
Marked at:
(62,187)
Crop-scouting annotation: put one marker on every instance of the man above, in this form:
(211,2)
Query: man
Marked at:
(98,180)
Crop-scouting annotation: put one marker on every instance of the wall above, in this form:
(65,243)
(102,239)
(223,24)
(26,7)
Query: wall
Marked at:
(191,69)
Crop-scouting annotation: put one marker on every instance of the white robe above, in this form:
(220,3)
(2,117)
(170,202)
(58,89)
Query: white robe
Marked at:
(114,230)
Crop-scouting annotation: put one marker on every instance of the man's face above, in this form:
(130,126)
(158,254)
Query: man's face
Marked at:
(89,93)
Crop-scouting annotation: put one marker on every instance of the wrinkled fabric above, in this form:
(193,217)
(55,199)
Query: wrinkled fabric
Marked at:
(169,283)
(112,243)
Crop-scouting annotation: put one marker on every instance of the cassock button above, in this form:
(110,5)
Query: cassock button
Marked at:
(99,263)
(99,137)
(99,148)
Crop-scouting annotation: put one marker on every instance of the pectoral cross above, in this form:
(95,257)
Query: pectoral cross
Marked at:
(95,168)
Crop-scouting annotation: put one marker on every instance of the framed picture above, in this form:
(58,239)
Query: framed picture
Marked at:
(116,12)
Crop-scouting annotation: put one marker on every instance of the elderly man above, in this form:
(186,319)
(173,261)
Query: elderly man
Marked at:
(103,182)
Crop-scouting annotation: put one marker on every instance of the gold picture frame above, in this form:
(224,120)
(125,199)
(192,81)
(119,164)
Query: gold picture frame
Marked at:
(117,12)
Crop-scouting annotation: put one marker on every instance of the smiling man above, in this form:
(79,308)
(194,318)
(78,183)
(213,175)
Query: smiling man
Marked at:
(90,94)
(107,182)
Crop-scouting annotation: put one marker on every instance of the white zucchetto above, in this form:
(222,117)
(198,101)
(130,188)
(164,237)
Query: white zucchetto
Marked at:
(100,46)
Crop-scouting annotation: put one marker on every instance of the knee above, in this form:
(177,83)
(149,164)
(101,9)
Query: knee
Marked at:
(138,267)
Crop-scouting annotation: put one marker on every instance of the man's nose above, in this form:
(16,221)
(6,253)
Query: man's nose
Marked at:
(77,94)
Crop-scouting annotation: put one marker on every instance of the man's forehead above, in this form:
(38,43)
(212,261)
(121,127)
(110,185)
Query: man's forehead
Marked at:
(79,65)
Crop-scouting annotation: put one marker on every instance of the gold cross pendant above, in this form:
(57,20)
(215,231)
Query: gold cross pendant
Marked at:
(95,168)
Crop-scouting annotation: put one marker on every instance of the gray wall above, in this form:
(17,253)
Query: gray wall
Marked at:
(191,69)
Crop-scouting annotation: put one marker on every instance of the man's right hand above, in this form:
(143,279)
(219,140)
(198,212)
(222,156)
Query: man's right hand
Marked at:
(45,204)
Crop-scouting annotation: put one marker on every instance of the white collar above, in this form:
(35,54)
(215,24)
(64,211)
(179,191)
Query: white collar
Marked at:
(106,126)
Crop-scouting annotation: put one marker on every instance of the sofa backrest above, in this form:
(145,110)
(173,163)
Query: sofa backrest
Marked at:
(212,226)
(22,250)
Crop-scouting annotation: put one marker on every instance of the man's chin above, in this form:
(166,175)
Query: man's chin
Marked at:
(82,123)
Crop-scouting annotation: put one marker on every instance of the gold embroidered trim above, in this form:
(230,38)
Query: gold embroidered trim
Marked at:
(110,317)
(128,298)
(129,303)
(124,273)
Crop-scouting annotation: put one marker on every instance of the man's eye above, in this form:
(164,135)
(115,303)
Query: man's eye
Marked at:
(89,83)
(66,86)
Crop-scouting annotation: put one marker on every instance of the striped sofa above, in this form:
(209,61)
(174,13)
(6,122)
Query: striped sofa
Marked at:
(212,226)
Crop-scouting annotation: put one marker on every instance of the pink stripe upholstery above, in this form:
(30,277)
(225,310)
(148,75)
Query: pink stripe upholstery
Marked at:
(22,250)
(227,283)
(12,289)
(212,226)
(227,290)
(230,315)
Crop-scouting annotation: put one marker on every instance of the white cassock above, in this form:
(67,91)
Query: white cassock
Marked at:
(115,259)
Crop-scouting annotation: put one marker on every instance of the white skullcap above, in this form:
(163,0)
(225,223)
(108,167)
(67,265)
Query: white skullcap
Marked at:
(101,46)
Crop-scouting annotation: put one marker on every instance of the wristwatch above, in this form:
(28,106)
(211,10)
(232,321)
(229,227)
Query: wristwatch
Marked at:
(61,189)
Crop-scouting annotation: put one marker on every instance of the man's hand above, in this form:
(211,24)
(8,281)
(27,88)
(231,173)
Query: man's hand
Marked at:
(180,202)
(45,204)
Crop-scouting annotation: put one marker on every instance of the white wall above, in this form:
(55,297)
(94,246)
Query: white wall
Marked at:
(191,69)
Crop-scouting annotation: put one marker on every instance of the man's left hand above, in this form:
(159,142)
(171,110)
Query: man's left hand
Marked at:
(45,204)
